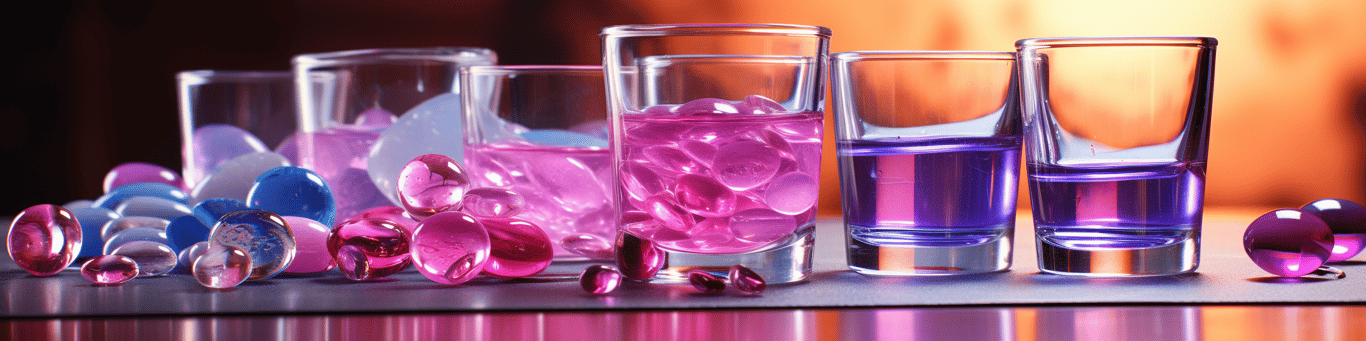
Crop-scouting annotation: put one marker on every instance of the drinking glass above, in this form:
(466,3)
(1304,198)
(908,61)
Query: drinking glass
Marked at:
(1116,141)
(229,113)
(717,142)
(542,131)
(929,156)
(348,100)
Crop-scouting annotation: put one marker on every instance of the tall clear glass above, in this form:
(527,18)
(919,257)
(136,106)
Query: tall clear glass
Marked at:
(717,142)
(349,100)
(542,132)
(228,113)
(1116,141)
(929,156)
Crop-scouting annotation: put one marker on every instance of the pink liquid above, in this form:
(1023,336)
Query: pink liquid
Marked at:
(719,183)
(566,189)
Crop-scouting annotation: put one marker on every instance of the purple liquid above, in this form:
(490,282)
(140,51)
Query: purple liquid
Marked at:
(1123,207)
(936,193)
(718,183)
(339,155)
(566,188)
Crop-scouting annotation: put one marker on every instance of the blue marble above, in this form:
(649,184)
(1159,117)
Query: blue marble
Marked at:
(144,206)
(294,191)
(115,197)
(234,179)
(132,235)
(185,231)
(209,210)
(563,138)
(92,219)
(263,235)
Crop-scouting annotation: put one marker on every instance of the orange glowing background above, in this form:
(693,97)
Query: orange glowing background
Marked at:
(1290,76)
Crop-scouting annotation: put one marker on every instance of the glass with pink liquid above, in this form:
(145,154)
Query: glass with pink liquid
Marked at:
(542,131)
(348,99)
(717,142)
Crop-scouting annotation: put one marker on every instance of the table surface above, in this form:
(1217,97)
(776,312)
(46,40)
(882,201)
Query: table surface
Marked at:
(1225,277)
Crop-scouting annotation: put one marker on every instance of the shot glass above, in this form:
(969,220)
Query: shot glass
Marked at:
(350,100)
(225,114)
(929,157)
(1116,140)
(717,142)
(542,131)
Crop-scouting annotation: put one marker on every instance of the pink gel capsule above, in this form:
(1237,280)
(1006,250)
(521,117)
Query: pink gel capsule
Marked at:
(393,214)
(600,279)
(109,269)
(637,257)
(745,164)
(431,183)
(518,248)
(588,245)
(746,280)
(353,263)
(450,247)
(310,254)
(792,193)
(44,239)
(222,266)
(135,172)
(493,202)
(706,282)
(705,196)
(385,245)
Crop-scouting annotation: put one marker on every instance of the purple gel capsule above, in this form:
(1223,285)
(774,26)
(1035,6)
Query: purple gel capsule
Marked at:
(706,282)
(1288,242)
(1347,220)
(746,280)
(600,279)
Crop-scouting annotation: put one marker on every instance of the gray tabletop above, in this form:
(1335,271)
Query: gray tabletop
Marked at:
(1225,276)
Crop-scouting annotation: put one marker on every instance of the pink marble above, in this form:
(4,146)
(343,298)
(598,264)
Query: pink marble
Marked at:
(600,279)
(44,239)
(135,172)
(432,183)
(451,247)
(384,244)
(311,254)
(109,269)
(518,248)
(637,257)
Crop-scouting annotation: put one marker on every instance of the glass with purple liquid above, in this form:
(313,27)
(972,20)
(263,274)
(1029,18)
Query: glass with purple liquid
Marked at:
(1116,142)
(717,143)
(929,157)
(349,99)
(229,113)
(542,131)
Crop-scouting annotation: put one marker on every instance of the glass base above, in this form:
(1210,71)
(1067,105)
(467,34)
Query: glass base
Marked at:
(1176,258)
(898,260)
(785,262)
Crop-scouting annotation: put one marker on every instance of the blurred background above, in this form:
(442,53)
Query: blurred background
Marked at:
(91,84)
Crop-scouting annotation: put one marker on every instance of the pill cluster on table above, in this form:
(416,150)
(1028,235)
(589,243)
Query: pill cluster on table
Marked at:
(256,216)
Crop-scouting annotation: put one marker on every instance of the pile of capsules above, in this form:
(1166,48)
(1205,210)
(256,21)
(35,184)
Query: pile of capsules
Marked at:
(256,217)
(1298,242)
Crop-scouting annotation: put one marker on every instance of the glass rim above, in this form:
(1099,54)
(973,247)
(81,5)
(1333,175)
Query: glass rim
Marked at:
(893,55)
(1059,42)
(194,77)
(499,70)
(649,30)
(366,56)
